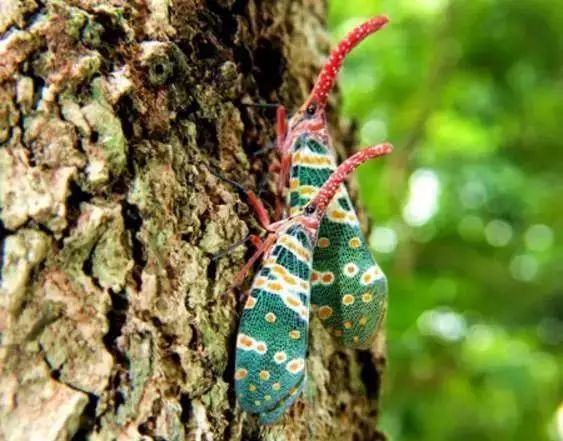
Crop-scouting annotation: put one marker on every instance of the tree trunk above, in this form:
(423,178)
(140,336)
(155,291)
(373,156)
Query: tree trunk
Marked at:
(116,323)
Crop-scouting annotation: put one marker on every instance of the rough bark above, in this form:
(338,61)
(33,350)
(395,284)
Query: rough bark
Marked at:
(114,318)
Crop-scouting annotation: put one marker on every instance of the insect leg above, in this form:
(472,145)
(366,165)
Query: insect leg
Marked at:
(281,125)
(268,148)
(255,240)
(283,167)
(251,199)
(265,245)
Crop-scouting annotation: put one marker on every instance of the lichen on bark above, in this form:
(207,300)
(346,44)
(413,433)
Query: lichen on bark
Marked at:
(116,321)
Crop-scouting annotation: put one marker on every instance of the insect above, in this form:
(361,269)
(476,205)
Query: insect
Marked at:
(273,332)
(349,289)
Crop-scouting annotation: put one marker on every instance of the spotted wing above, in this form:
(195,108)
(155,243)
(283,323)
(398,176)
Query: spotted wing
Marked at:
(273,331)
(349,290)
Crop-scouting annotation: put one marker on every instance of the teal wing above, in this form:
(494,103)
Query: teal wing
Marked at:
(271,416)
(349,289)
(273,331)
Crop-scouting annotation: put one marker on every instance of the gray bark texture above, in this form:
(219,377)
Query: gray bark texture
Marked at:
(116,323)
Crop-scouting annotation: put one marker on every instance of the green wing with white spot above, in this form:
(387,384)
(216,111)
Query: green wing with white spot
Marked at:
(273,331)
(349,290)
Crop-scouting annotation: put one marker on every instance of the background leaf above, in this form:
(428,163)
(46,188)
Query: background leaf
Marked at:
(468,211)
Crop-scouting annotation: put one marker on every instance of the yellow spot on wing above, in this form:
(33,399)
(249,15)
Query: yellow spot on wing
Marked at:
(275,287)
(296,365)
(315,276)
(350,269)
(325,312)
(310,159)
(264,375)
(347,299)
(292,301)
(371,274)
(259,282)
(327,278)
(295,247)
(323,242)
(250,302)
(340,216)
(245,342)
(284,274)
(307,190)
(280,357)
(240,374)
(354,243)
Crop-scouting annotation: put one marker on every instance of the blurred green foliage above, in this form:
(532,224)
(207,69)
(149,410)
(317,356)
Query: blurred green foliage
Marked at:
(467,211)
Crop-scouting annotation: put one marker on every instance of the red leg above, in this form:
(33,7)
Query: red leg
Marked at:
(281,130)
(263,248)
(255,240)
(259,209)
(251,199)
(281,126)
